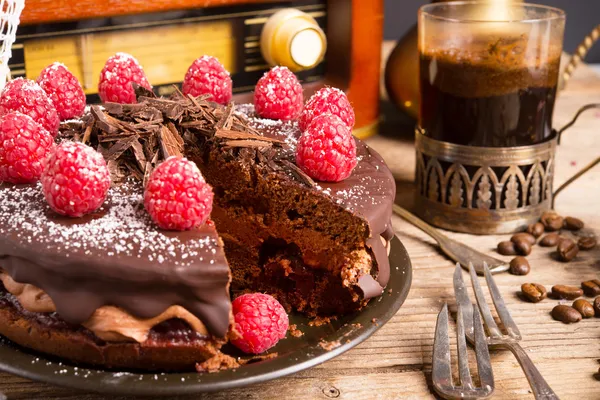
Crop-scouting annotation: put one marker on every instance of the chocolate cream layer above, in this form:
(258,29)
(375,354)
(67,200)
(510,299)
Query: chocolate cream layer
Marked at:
(114,257)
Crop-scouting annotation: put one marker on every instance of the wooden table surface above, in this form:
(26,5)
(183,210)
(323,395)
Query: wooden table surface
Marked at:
(396,361)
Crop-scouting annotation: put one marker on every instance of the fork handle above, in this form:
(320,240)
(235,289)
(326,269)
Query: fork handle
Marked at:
(539,386)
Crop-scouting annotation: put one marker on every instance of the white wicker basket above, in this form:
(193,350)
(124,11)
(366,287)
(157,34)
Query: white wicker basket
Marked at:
(10,11)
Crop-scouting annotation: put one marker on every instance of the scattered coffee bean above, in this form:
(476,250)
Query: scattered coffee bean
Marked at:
(587,243)
(597,306)
(519,266)
(551,221)
(566,314)
(566,292)
(523,237)
(573,224)
(523,248)
(550,240)
(567,250)
(536,229)
(584,307)
(591,288)
(533,292)
(507,248)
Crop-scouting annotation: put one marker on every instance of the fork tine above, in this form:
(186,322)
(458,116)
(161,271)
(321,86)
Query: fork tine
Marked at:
(463,301)
(441,373)
(463,356)
(483,307)
(484,364)
(501,309)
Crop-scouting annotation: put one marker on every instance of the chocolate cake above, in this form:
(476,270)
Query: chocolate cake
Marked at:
(113,290)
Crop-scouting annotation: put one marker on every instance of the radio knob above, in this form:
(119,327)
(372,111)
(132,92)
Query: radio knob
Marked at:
(293,39)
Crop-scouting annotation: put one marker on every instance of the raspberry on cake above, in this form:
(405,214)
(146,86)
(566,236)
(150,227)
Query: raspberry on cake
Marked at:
(116,77)
(176,196)
(27,97)
(327,100)
(24,145)
(64,90)
(75,180)
(326,150)
(278,95)
(207,75)
(261,322)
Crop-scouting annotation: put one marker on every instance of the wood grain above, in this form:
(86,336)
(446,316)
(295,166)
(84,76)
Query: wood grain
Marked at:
(396,362)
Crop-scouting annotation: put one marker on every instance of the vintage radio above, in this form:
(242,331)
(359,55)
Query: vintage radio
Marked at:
(335,42)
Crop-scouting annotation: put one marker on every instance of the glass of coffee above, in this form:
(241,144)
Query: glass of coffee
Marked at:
(489,71)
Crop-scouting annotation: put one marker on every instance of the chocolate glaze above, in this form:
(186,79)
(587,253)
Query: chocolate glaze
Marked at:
(115,256)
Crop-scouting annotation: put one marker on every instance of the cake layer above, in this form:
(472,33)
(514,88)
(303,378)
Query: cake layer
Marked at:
(113,257)
(171,345)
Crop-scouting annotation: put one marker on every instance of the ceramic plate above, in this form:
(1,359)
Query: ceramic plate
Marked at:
(318,344)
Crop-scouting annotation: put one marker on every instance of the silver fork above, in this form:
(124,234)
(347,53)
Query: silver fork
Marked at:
(496,338)
(441,370)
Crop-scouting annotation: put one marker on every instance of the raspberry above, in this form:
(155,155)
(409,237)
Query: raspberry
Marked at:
(75,180)
(206,75)
(326,150)
(27,97)
(64,90)
(116,77)
(278,95)
(176,196)
(23,146)
(327,100)
(260,320)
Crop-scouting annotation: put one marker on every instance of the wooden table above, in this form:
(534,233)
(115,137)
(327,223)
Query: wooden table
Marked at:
(396,361)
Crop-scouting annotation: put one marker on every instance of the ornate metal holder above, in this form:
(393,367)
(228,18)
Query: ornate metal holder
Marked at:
(483,190)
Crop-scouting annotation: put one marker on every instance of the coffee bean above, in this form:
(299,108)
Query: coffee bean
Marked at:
(566,314)
(566,292)
(567,250)
(523,237)
(573,224)
(533,292)
(523,248)
(584,307)
(507,248)
(550,240)
(591,288)
(587,243)
(551,221)
(597,306)
(519,266)
(536,229)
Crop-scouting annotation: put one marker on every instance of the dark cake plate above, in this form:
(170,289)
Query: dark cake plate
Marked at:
(317,345)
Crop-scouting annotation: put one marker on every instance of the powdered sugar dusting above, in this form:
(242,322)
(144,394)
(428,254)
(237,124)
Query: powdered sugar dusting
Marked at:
(121,228)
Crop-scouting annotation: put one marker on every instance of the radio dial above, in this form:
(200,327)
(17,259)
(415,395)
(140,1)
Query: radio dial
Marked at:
(293,39)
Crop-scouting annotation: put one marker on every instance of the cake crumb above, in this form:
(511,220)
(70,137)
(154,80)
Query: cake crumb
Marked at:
(325,345)
(294,331)
(319,321)
(375,321)
(219,362)
(257,358)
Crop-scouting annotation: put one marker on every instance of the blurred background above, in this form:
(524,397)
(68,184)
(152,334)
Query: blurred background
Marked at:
(582,16)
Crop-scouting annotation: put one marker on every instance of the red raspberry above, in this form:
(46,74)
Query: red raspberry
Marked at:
(64,90)
(260,320)
(116,77)
(278,95)
(327,100)
(75,180)
(24,145)
(27,97)
(176,196)
(206,75)
(326,150)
